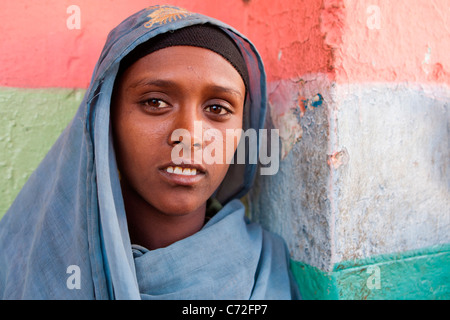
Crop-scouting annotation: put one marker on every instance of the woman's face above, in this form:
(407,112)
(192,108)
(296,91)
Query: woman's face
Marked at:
(177,87)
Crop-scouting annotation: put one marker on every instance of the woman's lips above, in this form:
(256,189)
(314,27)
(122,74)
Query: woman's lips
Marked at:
(186,175)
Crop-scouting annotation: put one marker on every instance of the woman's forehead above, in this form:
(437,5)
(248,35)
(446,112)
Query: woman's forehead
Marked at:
(170,65)
(204,36)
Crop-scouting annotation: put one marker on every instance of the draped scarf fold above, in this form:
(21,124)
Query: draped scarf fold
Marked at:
(230,258)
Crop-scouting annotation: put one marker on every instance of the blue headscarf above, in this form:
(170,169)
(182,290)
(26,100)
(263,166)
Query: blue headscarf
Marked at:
(66,236)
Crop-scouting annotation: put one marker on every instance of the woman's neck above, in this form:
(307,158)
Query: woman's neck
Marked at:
(153,229)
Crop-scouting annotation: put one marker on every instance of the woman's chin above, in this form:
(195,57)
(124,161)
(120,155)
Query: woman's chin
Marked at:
(182,208)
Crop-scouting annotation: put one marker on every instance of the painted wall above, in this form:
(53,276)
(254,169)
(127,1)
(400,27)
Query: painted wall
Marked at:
(363,192)
(359,91)
(44,45)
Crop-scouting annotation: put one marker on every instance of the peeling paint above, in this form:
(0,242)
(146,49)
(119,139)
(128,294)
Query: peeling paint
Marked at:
(290,130)
(332,22)
(283,112)
(289,100)
(339,158)
(315,101)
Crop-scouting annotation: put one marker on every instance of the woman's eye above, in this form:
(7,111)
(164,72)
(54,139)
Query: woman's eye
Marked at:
(218,110)
(155,103)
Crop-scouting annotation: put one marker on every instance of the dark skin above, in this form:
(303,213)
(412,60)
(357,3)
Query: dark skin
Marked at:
(167,90)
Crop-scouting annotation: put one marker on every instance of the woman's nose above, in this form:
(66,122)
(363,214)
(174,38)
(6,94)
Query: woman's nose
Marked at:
(187,128)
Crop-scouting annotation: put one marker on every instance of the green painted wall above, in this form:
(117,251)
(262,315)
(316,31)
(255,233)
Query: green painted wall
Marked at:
(415,275)
(31,121)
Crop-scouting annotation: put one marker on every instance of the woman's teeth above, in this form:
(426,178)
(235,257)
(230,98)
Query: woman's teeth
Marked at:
(179,170)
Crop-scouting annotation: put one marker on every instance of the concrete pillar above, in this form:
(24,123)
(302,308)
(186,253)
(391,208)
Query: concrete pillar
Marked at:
(363,192)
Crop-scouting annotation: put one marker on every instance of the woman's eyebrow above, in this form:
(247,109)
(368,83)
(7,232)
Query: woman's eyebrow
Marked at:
(152,82)
(229,90)
(146,82)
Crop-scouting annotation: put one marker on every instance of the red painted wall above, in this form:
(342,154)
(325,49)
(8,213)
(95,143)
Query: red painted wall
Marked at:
(393,41)
(349,40)
(38,50)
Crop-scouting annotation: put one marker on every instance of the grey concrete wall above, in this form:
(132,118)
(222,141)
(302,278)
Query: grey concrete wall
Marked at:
(368,174)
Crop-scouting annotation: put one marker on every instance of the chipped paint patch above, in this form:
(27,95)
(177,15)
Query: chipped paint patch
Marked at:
(339,158)
(290,131)
(290,99)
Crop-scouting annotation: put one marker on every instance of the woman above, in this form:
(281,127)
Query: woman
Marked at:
(122,207)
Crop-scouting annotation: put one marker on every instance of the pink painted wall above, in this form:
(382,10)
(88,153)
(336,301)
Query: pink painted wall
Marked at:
(350,40)
(38,50)
(392,41)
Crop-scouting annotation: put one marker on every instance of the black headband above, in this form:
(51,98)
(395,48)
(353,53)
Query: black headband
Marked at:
(203,36)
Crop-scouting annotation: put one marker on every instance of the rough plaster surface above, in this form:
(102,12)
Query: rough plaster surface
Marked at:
(289,101)
(391,41)
(394,189)
(294,202)
(370,175)
(31,121)
(367,172)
